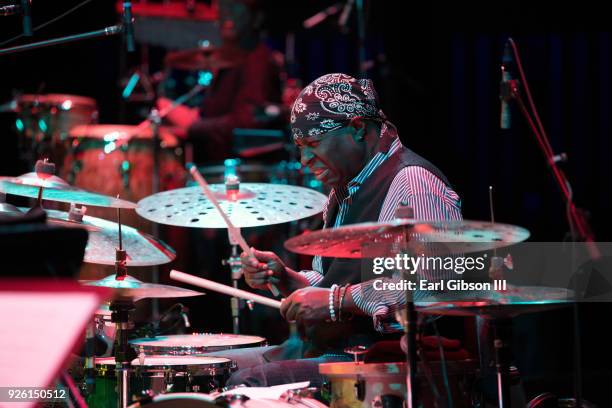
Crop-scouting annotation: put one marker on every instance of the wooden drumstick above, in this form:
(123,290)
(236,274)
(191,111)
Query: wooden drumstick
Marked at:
(234,232)
(226,290)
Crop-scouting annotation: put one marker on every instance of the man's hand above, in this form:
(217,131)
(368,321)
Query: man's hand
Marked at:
(306,306)
(181,116)
(264,268)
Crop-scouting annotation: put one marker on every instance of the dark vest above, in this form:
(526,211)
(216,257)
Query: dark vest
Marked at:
(365,207)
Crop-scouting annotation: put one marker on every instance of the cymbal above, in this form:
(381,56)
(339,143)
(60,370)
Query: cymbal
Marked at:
(204,59)
(377,238)
(142,249)
(56,189)
(256,204)
(130,287)
(118,133)
(514,301)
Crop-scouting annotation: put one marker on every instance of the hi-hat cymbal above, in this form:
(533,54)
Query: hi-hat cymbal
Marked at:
(374,239)
(256,204)
(130,287)
(142,249)
(514,301)
(56,189)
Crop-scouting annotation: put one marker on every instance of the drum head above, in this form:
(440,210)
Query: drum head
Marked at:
(188,344)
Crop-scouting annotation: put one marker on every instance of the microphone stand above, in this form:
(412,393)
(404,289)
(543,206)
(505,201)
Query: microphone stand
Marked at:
(108,31)
(580,229)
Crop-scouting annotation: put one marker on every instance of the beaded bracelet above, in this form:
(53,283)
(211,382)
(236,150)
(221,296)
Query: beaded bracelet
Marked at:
(332,312)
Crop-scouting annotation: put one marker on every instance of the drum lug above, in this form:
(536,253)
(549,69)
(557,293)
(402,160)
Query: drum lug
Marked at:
(360,389)
(169,379)
(124,169)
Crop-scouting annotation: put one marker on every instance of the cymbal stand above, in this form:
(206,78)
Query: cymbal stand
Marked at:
(411,320)
(121,309)
(236,268)
(232,184)
(154,120)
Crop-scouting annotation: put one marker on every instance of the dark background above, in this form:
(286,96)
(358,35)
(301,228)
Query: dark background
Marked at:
(437,71)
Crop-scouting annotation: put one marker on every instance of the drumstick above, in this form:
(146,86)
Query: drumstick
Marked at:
(226,290)
(233,231)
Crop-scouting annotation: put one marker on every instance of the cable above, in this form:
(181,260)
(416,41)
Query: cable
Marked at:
(53,20)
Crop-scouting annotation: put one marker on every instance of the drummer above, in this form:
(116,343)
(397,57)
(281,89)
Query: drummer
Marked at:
(246,80)
(348,143)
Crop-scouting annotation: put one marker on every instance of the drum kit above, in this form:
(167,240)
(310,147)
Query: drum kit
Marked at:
(106,160)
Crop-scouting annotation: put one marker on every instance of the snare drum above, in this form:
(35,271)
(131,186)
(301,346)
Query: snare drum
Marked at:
(359,385)
(194,344)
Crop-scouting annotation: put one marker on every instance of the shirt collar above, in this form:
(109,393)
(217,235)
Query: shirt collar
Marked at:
(344,192)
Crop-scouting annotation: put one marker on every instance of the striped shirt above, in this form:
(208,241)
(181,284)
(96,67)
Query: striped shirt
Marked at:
(417,187)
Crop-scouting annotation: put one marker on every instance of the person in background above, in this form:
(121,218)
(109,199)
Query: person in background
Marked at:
(246,78)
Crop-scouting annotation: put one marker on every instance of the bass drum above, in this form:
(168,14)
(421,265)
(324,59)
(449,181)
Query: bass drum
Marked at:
(193,400)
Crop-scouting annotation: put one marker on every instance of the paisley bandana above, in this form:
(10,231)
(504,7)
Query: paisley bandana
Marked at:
(330,102)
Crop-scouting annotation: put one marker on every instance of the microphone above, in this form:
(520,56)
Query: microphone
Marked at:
(346,12)
(321,15)
(505,119)
(26,17)
(128,26)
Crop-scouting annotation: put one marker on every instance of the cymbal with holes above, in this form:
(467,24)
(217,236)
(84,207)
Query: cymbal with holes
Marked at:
(375,239)
(254,205)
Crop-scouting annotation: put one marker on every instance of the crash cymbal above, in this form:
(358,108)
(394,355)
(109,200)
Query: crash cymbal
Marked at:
(56,189)
(514,301)
(374,239)
(123,133)
(256,204)
(142,249)
(130,287)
